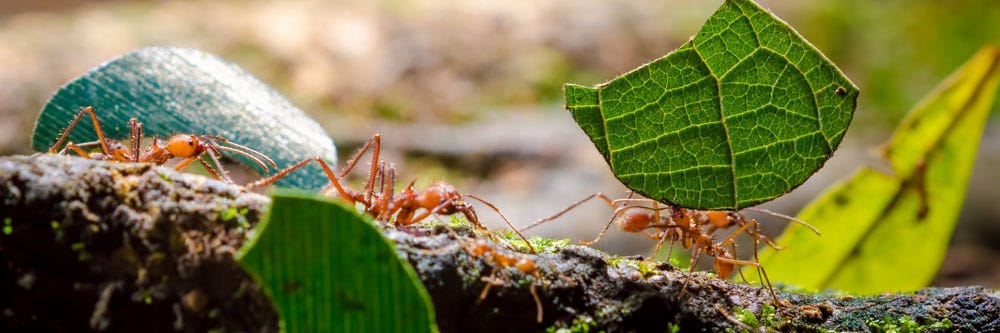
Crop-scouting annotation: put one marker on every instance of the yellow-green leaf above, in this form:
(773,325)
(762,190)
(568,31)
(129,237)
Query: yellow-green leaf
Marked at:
(890,231)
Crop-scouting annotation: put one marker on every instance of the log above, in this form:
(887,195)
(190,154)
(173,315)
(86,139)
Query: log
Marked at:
(91,245)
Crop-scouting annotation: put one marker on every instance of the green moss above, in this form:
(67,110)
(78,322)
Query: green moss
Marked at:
(81,251)
(646,268)
(905,324)
(769,320)
(237,214)
(541,244)
(228,214)
(581,324)
(57,229)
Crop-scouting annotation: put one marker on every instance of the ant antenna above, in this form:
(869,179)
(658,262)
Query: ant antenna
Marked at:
(789,218)
(256,156)
(568,208)
(505,220)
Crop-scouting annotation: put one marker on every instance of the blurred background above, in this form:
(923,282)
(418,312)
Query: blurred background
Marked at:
(470,91)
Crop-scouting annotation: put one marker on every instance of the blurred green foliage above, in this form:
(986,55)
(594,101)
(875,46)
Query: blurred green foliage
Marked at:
(895,50)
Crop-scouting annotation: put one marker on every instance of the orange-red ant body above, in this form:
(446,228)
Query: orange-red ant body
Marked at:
(379,199)
(693,229)
(188,147)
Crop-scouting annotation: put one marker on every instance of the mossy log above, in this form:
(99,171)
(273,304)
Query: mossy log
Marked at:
(90,245)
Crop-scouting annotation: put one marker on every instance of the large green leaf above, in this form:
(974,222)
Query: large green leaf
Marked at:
(176,90)
(743,113)
(889,232)
(330,270)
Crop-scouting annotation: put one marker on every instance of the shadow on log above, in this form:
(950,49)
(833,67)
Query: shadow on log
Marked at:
(124,247)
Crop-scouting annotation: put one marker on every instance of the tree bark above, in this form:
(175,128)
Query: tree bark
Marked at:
(90,245)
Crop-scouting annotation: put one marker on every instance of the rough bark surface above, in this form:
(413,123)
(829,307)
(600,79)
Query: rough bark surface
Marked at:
(123,247)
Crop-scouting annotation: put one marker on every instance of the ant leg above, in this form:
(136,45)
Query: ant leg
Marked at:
(490,281)
(538,303)
(376,140)
(661,237)
(505,220)
(344,194)
(97,127)
(211,172)
(387,178)
(136,128)
(185,163)
(76,149)
(603,231)
(375,143)
(733,319)
(761,273)
(569,208)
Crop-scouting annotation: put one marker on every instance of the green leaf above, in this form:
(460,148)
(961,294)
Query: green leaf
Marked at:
(176,90)
(743,113)
(330,270)
(889,232)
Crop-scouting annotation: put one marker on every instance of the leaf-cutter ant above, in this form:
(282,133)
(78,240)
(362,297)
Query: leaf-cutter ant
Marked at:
(188,147)
(693,229)
(378,196)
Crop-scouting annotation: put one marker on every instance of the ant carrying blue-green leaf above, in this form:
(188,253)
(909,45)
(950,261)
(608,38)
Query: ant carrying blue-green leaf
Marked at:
(188,147)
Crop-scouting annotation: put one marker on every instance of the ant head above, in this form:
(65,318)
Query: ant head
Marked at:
(439,193)
(184,145)
(118,150)
(480,248)
(526,265)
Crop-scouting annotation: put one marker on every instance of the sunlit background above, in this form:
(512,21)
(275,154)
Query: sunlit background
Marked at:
(470,91)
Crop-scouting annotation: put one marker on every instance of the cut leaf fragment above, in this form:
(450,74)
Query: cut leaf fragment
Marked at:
(177,90)
(743,113)
(329,269)
(889,232)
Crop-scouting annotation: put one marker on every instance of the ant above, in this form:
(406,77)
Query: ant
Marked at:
(500,261)
(189,147)
(693,229)
(379,199)
(523,263)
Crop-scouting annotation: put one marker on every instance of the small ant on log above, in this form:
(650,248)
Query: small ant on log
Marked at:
(500,261)
(186,146)
(523,263)
(693,229)
(378,195)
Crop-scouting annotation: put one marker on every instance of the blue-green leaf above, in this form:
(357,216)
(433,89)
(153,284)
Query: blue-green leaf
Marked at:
(177,90)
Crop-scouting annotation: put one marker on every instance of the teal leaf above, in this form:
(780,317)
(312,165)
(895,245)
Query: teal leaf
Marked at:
(744,112)
(888,232)
(177,90)
(329,269)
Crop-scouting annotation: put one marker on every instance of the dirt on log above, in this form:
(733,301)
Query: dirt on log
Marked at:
(100,246)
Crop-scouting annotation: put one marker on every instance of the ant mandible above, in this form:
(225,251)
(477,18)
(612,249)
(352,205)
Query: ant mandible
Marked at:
(189,147)
(378,196)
